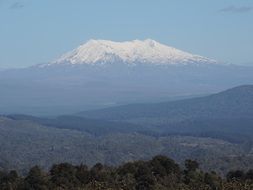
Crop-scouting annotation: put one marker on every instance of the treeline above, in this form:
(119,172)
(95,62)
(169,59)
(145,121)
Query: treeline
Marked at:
(160,173)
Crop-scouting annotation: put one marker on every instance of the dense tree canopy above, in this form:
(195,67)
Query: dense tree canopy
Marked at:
(160,173)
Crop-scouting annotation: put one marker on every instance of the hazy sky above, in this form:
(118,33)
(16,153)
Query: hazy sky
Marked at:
(37,31)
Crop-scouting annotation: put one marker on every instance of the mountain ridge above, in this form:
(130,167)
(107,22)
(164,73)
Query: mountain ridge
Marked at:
(226,103)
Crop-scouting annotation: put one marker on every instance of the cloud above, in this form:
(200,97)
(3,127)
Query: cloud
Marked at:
(17,5)
(237,9)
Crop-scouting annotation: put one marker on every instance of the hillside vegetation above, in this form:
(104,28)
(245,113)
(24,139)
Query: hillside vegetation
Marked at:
(215,130)
(25,143)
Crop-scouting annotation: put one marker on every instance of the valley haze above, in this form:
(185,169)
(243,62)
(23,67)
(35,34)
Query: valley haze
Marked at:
(102,73)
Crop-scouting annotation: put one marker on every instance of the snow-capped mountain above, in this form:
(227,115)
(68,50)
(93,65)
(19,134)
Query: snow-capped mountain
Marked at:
(132,72)
(129,52)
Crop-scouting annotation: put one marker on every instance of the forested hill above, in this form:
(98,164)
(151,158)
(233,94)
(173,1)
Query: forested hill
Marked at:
(226,115)
(236,102)
(25,142)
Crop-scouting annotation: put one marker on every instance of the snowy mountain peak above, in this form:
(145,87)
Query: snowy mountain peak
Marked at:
(130,52)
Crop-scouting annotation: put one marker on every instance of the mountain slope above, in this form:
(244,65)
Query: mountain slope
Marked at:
(131,52)
(226,115)
(90,126)
(235,102)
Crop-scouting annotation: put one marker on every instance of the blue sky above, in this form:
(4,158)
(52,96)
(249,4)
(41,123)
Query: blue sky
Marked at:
(36,31)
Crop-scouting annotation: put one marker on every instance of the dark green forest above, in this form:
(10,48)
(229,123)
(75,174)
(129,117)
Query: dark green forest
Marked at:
(158,173)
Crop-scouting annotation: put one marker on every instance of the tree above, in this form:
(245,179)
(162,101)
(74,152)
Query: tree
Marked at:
(162,165)
(64,176)
(36,179)
(235,175)
(213,180)
(82,174)
(191,165)
(9,181)
(249,175)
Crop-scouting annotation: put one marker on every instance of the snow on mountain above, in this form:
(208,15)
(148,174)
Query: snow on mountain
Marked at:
(131,52)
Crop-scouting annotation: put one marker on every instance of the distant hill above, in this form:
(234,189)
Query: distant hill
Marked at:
(94,127)
(226,113)
(233,103)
